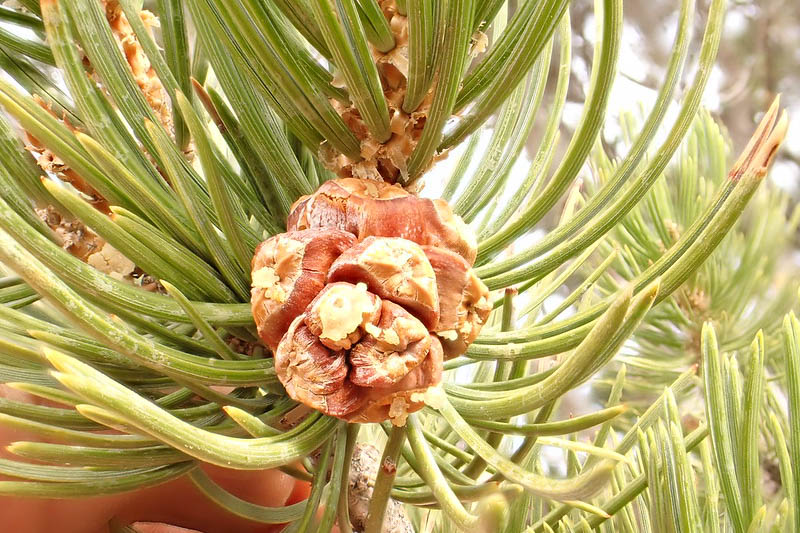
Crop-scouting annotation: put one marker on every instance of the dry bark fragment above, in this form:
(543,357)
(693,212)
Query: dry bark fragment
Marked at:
(90,248)
(363,470)
(76,238)
(49,162)
(109,260)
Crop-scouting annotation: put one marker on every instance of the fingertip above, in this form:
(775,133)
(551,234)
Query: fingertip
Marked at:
(300,492)
(158,527)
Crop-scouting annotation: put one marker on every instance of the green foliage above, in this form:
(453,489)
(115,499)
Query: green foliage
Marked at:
(746,285)
(658,249)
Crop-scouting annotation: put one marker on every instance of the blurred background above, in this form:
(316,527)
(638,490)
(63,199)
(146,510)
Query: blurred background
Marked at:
(759,57)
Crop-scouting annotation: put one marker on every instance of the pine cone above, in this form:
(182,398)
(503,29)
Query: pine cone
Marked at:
(364,296)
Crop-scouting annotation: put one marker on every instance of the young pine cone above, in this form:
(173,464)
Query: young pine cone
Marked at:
(364,296)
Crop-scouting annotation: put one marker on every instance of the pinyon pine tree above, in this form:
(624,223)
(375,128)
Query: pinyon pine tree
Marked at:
(221,243)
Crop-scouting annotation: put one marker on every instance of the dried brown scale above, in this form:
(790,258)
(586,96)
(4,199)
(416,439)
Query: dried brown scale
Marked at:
(340,314)
(289,270)
(76,238)
(389,466)
(313,374)
(464,301)
(385,161)
(363,334)
(365,208)
(49,162)
(393,269)
(149,283)
(390,348)
(241,346)
(396,402)
(354,357)
(143,72)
